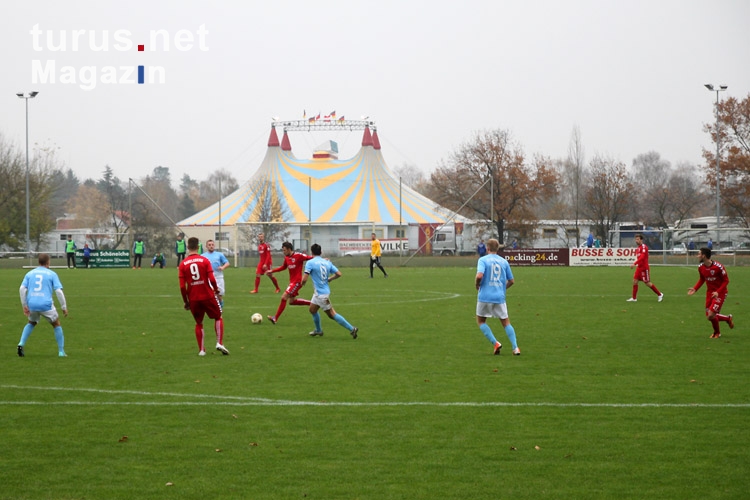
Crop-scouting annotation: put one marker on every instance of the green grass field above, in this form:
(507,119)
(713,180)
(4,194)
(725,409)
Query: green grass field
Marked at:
(608,400)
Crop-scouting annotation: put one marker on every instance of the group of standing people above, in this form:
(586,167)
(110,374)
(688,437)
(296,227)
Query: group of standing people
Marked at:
(70,253)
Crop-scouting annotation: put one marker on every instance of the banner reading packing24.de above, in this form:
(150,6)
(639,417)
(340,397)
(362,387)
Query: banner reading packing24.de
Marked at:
(535,256)
(71,54)
(105,258)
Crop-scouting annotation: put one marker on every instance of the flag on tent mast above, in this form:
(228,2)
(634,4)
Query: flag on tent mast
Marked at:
(304,114)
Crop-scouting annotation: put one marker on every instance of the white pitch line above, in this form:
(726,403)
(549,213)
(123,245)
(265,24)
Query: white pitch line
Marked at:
(372,404)
(252,401)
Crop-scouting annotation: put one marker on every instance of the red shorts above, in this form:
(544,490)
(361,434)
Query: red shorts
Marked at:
(260,269)
(293,289)
(714,304)
(642,275)
(209,307)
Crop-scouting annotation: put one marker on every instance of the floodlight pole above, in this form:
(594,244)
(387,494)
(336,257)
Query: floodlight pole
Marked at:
(720,88)
(26,97)
(220,196)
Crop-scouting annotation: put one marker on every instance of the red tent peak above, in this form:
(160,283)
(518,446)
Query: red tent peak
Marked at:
(366,137)
(285,144)
(375,140)
(273,139)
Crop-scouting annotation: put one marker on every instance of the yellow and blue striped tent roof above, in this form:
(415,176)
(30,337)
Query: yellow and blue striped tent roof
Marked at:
(321,190)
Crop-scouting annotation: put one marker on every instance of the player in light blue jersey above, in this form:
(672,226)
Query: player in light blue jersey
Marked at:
(36,298)
(322,272)
(493,278)
(218,262)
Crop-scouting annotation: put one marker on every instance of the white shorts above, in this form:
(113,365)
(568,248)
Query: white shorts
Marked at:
(491,310)
(220,282)
(50,315)
(321,301)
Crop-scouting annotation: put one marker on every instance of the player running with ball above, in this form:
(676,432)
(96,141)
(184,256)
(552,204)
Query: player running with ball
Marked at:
(294,261)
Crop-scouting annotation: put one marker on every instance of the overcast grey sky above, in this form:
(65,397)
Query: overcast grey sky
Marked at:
(630,74)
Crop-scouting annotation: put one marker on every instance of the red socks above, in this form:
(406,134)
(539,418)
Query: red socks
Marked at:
(282,306)
(219,327)
(715,323)
(199,337)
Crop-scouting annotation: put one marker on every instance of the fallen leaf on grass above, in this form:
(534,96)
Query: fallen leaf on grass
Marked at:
(513,448)
(234,416)
(253,444)
(537,448)
(169,484)
(123,439)
(218,450)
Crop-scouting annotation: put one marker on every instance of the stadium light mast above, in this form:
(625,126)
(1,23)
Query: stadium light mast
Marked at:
(720,88)
(26,97)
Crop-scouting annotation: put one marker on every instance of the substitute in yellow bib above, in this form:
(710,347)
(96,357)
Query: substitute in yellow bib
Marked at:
(375,253)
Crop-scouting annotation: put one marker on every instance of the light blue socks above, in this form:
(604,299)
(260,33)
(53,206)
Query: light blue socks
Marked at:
(343,322)
(25,334)
(60,340)
(511,333)
(487,331)
(316,320)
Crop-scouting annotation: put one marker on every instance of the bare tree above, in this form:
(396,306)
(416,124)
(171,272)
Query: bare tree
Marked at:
(574,174)
(12,195)
(734,158)
(269,213)
(651,180)
(91,210)
(409,174)
(117,205)
(209,190)
(493,166)
(607,196)
(686,193)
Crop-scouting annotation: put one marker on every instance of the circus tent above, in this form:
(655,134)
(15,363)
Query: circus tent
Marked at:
(322,190)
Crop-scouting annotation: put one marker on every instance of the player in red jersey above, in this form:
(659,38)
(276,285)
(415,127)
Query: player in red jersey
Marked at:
(294,261)
(199,293)
(265,264)
(642,270)
(716,279)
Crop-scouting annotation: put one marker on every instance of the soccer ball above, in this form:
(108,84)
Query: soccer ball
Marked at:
(256,318)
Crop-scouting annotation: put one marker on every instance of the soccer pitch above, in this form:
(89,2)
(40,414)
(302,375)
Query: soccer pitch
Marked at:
(608,400)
